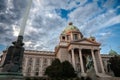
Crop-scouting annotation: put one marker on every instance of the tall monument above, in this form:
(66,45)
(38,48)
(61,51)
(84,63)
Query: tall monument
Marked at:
(12,65)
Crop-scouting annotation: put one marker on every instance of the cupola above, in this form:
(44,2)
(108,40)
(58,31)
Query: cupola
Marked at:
(71,33)
(92,38)
(113,53)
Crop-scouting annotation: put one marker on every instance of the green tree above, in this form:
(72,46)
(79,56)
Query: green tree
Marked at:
(60,70)
(115,65)
(67,70)
(54,70)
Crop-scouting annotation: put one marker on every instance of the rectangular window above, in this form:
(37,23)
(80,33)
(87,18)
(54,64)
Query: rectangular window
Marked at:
(68,37)
(75,37)
(37,61)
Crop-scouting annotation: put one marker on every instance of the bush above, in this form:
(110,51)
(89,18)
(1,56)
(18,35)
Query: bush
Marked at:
(58,70)
(115,65)
(54,70)
(67,70)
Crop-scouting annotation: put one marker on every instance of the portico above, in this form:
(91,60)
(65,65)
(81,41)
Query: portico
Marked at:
(79,56)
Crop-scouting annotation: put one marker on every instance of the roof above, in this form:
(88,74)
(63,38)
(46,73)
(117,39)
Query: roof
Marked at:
(70,28)
(112,52)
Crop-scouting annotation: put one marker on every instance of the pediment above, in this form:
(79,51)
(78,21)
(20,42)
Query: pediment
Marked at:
(86,41)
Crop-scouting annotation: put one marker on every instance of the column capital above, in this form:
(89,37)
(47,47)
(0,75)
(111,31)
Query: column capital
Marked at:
(92,49)
(72,48)
(80,48)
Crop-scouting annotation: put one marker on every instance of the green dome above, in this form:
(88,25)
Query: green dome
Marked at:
(70,28)
(112,52)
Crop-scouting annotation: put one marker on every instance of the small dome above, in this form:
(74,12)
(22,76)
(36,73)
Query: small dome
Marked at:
(70,28)
(92,38)
(112,52)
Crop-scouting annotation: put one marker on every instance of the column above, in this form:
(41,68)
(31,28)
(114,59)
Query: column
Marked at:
(101,63)
(25,67)
(41,67)
(81,61)
(71,36)
(49,61)
(33,66)
(73,58)
(93,57)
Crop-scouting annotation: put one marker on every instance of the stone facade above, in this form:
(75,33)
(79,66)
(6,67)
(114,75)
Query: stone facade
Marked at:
(73,47)
(35,62)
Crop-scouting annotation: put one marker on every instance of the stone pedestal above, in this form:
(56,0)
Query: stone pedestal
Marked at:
(11,68)
(11,76)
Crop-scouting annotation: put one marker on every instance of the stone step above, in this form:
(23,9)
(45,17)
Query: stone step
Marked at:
(102,75)
(109,78)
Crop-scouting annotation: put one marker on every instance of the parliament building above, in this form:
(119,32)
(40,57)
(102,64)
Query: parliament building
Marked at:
(72,47)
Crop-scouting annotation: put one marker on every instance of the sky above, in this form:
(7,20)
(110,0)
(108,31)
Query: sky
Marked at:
(48,18)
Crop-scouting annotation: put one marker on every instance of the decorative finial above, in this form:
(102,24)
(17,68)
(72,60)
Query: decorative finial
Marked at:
(70,23)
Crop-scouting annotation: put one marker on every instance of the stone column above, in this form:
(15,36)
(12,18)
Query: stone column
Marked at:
(41,67)
(71,36)
(33,67)
(81,61)
(101,63)
(73,58)
(94,61)
(25,67)
(48,61)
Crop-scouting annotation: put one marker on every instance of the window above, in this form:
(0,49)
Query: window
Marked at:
(37,71)
(68,37)
(75,37)
(63,37)
(37,61)
(30,61)
(28,71)
(44,62)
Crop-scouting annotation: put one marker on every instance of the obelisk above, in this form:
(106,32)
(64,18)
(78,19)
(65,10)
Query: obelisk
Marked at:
(12,65)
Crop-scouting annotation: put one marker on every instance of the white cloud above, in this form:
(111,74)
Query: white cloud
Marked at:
(45,24)
(15,30)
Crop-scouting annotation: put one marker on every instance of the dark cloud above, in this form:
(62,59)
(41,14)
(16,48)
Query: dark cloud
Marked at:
(2,5)
(11,12)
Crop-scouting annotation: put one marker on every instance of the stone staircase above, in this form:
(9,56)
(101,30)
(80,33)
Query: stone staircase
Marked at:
(108,78)
(101,76)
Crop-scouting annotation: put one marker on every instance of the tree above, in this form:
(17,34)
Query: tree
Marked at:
(60,70)
(115,65)
(67,70)
(54,70)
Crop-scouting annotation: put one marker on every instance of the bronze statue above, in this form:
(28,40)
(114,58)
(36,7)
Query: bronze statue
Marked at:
(14,56)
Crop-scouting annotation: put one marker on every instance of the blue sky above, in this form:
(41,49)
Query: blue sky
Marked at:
(48,18)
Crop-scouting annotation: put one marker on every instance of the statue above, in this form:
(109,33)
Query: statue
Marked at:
(14,56)
(90,68)
(12,65)
(89,63)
